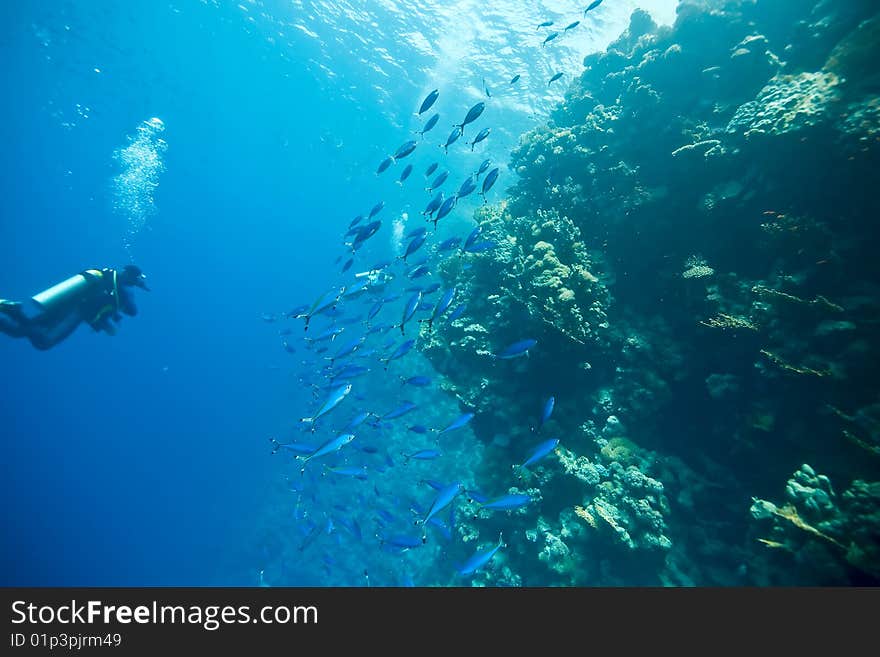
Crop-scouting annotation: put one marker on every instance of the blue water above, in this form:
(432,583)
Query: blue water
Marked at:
(143,459)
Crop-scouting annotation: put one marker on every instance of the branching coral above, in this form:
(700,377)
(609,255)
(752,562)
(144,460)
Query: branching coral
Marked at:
(819,302)
(724,321)
(849,523)
(795,369)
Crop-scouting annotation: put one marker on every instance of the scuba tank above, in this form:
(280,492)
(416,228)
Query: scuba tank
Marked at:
(70,292)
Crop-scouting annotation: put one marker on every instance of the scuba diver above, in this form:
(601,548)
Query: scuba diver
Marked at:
(92,296)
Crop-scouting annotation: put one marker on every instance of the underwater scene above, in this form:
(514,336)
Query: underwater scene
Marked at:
(338,293)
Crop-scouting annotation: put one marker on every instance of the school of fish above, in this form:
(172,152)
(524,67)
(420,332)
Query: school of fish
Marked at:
(355,339)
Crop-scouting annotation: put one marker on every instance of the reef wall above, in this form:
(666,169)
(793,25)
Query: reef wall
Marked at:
(691,241)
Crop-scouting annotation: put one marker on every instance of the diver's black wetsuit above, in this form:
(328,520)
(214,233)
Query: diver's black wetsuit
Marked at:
(93,296)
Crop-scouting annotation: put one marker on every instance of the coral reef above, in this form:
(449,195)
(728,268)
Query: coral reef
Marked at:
(826,534)
(746,133)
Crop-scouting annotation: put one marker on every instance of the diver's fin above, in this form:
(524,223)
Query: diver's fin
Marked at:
(11,307)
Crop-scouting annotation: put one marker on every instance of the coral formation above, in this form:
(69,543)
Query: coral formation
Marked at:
(746,132)
(826,533)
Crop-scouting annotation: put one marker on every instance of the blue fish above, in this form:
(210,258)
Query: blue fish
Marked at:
(379,266)
(483,167)
(441,527)
(554,78)
(435,203)
(297,311)
(458,312)
(423,455)
(430,289)
(507,502)
(356,529)
(347,349)
(400,352)
(517,349)
(592,6)
(418,428)
(550,38)
(355,422)
(457,423)
(387,162)
(296,448)
(571,26)
(414,245)
(350,371)
(405,149)
(480,137)
(439,180)
(405,174)
(403,542)
(441,306)
(547,411)
(400,411)
(325,301)
(431,169)
(380,328)
(472,115)
(409,310)
(376,209)
(477,496)
(332,445)
(480,247)
(329,333)
(355,288)
(348,471)
(418,381)
(467,187)
(364,233)
(443,499)
(449,244)
(417,232)
(544,24)
(315,531)
(354,222)
(350,526)
(347,265)
(375,308)
(445,209)
(515,79)
(429,124)
(429,100)
(452,138)
(540,452)
(472,237)
(488,181)
(480,559)
(333,311)
(330,403)
(418,272)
